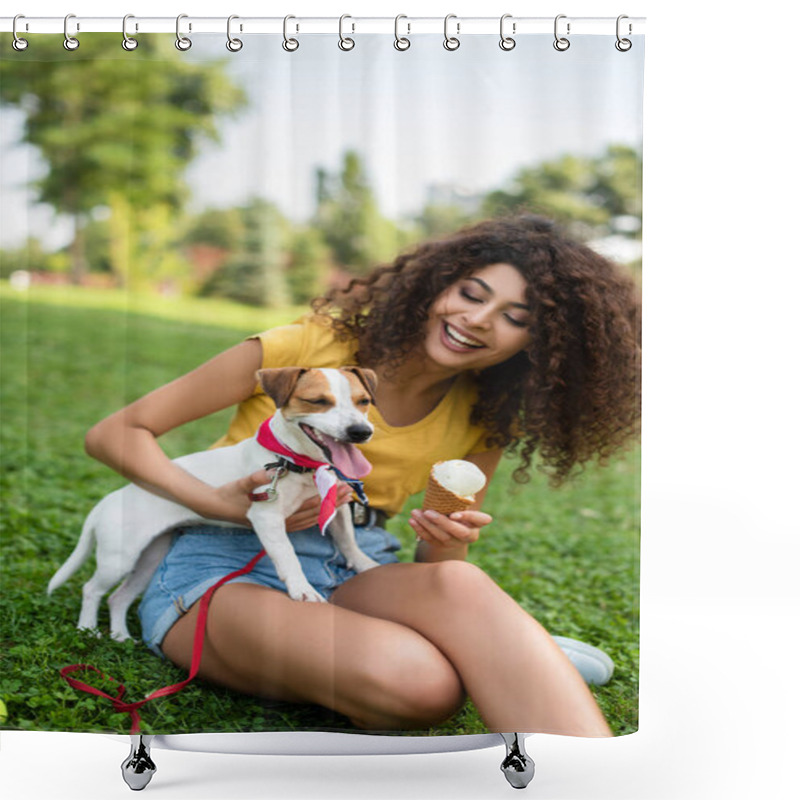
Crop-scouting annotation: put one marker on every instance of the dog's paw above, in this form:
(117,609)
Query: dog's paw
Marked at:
(305,593)
(362,563)
(91,630)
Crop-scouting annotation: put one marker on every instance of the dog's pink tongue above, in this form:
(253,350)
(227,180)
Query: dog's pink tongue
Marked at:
(348,459)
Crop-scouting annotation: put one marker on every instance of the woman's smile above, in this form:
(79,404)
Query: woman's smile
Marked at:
(458,340)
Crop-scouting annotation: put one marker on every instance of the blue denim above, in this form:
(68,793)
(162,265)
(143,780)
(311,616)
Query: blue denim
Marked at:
(200,556)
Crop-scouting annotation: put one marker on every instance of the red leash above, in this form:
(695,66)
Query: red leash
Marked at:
(197,652)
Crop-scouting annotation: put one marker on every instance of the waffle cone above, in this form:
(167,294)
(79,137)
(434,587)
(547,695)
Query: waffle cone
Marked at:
(443,500)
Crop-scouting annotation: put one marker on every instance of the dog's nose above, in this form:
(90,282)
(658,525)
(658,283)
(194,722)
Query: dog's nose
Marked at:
(358,433)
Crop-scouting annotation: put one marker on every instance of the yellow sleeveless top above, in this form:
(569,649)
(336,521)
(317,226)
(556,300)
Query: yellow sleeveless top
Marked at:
(401,457)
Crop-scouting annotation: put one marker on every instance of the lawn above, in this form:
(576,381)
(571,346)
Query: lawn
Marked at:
(569,556)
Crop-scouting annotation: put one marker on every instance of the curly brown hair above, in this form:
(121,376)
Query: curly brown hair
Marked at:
(574,392)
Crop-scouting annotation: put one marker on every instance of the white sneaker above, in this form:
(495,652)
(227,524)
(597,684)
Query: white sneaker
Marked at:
(593,664)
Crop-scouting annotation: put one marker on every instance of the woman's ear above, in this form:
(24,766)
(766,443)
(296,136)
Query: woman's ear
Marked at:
(279,384)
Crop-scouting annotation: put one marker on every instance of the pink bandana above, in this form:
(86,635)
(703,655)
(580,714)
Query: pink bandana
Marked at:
(325,474)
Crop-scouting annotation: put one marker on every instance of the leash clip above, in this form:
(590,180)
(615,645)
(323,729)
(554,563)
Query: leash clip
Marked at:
(271,492)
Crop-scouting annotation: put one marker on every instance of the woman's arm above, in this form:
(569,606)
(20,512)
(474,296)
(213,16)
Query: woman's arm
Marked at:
(443,537)
(126,440)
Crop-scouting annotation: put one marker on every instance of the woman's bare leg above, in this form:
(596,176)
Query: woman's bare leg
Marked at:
(380,674)
(516,675)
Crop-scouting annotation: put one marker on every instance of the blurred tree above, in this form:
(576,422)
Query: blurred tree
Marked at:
(309,264)
(348,216)
(618,182)
(106,121)
(255,271)
(97,239)
(557,189)
(241,278)
(219,227)
(30,257)
(439,220)
(584,194)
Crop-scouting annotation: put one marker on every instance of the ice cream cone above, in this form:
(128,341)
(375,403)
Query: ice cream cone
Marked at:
(443,500)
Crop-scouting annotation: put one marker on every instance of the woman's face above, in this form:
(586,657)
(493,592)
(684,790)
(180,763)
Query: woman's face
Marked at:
(480,320)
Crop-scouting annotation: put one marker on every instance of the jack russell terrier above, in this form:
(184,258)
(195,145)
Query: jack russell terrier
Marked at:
(309,442)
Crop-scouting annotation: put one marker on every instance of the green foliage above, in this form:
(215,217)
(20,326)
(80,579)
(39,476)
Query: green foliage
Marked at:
(32,257)
(567,556)
(441,220)
(309,264)
(241,278)
(257,236)
(349,219)
(132,125)
(582,193)
(223,228)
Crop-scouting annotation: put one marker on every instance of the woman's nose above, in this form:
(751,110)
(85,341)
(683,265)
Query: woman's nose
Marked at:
(478,317)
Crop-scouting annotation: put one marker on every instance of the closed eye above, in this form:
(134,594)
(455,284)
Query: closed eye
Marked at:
(516,322)
(317,401)
(471,297)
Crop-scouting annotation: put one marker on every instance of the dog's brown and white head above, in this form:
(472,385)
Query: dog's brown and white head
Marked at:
(323,412)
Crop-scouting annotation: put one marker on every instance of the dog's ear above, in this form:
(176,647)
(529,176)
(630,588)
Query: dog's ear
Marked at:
(367,377)
(279,383)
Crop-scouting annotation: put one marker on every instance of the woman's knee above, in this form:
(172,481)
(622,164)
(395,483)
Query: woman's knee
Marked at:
(415,689)
(457,582)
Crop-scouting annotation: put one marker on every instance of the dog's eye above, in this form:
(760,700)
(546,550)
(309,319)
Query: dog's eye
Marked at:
(364,401)
(321,401)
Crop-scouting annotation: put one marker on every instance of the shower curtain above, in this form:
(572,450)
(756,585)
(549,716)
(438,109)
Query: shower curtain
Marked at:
(162,201)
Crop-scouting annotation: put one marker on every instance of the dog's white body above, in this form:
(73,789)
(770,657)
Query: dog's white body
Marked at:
(131,526)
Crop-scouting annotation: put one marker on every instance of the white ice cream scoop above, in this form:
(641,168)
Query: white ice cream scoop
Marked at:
(460,477)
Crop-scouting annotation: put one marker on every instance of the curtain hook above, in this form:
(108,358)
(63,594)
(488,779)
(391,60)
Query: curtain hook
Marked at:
(623,45)
(127,42)
(234,45)
(19,44)
(183,43)
(290,45)
(401,43)
(561,43)
(507,42)
(346,43)
(70,42)
(451,42)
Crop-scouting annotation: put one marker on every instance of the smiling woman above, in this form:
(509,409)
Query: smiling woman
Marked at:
(484,315)
(548,329)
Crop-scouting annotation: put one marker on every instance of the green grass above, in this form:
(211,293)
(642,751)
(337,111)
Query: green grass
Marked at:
(569,556)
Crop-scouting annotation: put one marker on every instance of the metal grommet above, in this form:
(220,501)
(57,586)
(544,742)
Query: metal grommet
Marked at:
(561,43)
(346,43)
(19,44)
(401,43)
(127,42)
(506,42)
(234,45)
(451,42)
(289,44)
(183,43)
(623,45)
(70,42)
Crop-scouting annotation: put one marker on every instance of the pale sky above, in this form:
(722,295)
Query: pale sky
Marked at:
(469,118)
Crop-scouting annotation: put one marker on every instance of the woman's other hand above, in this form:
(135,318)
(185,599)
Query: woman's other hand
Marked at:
(307,513)
(444,536)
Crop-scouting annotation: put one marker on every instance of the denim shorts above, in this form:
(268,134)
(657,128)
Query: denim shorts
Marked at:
(199,556)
